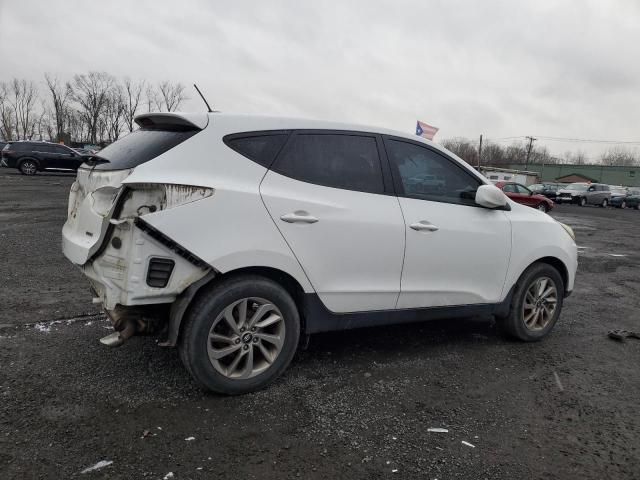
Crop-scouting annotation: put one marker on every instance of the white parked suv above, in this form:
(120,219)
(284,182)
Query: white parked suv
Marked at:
(233,237)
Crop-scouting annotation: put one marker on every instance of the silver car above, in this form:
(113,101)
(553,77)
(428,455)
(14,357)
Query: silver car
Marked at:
(585,194)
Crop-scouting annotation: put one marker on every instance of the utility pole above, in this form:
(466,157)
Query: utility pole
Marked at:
(480,151)
(529,148)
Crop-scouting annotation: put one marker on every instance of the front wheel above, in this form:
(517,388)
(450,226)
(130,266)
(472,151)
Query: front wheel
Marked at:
(240,335)
(623,204)
(536,303)
(583,201)
(604,203)
(542,207)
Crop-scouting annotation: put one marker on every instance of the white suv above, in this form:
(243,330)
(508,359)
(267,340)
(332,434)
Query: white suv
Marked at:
(233,237)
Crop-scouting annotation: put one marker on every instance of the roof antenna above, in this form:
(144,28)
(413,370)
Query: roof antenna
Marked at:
(203,99)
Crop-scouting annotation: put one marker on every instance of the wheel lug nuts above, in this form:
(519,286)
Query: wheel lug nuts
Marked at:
(242,329)
(246,347)
(253,329)
(255,340)
(237,340)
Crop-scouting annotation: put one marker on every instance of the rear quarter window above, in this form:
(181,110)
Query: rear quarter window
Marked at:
(139,147)
(261,148)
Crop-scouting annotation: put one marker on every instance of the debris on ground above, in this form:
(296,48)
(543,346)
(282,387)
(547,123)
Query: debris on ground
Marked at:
(190,439)
(168,476)
(468,444)
(437,430)
(620,335)
(558,382)
(97,466)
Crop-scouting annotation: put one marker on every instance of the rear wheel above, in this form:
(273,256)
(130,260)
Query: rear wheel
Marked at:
(536,303)
(240,335)
(623,204)
(583,201)
(604,203)
(28,167)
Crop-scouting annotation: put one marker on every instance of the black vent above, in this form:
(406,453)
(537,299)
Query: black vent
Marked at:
(159,272)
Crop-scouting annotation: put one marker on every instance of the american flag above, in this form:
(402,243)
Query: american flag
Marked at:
(425,130)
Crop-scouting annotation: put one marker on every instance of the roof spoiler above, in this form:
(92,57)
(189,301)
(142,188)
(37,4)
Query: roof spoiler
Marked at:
(173,121)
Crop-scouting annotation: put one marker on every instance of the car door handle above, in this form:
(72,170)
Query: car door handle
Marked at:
(298,217)
(424,226)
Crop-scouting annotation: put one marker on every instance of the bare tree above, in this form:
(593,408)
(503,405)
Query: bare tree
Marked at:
(493,154)
(114,113)
(464,148)
(153,99)
(133,96)
(60,96)
(23,95)
(90,92)
(172,95)
(619,156)
(6,113)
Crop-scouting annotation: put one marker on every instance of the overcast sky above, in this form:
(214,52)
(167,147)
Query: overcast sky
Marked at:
(501,68)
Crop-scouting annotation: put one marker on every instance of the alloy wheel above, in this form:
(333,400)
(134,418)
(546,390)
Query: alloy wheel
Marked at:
(540,303)
(246,338)
(28,167)
(542,207)
(623,205)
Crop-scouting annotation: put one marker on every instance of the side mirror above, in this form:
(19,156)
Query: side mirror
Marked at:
(490,196)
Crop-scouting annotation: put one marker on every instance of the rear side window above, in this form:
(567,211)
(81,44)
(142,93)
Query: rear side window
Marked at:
(422,173)
(509,188)
(262,149)
(139,147)
(349,162)
(21,147)
(43,148)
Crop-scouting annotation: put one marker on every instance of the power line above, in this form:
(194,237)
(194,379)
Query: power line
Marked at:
(568,139)
(586,140)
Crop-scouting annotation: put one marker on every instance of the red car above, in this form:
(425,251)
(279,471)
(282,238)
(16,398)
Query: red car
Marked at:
(521,194)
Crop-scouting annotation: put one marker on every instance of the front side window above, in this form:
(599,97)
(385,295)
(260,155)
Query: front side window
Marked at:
(61,150)
(522,190)
(425,174)
(345,161)
(509,188)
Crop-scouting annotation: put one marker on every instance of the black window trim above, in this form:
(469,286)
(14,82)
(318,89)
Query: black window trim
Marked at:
(387,182)
(397,182)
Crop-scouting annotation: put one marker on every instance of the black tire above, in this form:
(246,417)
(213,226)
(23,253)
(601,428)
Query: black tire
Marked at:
(209,304)
(542,207)
(637,207)
(28,167)
(583,202)
(513,324)
(604,203)
(623,205)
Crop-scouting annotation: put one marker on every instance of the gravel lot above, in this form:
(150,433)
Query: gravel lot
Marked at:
(354,405)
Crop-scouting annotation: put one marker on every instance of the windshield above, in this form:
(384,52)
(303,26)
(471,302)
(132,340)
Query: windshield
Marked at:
(536,187)
(577,186)
(619,191)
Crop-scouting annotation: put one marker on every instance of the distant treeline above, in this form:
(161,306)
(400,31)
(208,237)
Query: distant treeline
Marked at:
(92,108)
(495,155)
